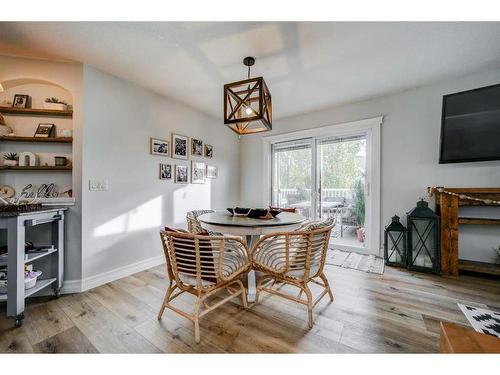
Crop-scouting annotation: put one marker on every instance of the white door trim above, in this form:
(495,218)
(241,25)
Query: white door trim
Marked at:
(372,128)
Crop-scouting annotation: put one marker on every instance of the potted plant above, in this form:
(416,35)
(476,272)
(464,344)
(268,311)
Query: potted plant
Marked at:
(358,192)
(10,159)
(55,103)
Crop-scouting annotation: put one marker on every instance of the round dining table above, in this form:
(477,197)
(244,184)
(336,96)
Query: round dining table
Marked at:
(251,229)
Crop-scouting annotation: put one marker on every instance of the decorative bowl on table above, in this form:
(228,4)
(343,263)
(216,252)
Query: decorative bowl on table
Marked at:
(254,213)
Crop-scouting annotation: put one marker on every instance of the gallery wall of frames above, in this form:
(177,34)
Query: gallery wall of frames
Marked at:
(181,147)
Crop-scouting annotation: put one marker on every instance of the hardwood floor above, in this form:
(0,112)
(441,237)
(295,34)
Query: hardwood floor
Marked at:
(398,312)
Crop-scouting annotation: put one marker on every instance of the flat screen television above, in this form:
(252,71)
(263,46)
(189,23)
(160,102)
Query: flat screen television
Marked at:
(470,126)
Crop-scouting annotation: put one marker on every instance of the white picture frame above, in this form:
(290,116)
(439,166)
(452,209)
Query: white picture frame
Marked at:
(181,175)
(180,147)
(197,172)
(212,171)
(159,147)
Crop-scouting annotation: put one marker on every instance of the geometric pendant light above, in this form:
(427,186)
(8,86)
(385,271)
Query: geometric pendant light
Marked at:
(247,104)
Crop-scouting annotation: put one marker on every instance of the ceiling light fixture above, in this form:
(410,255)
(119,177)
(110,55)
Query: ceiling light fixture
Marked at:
(247,104)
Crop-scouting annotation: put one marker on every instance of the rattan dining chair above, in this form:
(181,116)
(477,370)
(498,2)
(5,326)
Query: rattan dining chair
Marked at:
(202,266)
(194,225)
(295,258)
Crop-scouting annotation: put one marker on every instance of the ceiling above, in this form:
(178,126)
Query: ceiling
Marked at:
(306,65)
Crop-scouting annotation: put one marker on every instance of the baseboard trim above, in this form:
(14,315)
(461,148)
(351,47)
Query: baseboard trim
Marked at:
(71,286)
(78,286)
(121,272)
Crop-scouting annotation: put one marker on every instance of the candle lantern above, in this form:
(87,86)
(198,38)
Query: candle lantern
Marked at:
(423,251)
(395,243)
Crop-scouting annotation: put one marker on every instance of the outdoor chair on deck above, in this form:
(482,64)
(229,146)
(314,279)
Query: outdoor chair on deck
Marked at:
(295,258)
(202,266)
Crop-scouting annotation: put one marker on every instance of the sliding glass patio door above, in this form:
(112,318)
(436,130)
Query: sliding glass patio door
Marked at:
(325,177)
(293,176)
(341,180)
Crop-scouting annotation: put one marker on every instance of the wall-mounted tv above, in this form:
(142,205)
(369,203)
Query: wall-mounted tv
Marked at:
(470,126)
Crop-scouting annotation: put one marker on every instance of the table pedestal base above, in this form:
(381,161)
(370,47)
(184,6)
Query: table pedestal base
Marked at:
(252,290)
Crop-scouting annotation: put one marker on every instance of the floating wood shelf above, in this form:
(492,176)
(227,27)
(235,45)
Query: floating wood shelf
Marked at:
(481,267)
(38,168)
(478,221)
(36,112)
(37,139)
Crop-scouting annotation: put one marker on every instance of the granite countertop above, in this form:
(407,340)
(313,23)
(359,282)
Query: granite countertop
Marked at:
(41,210)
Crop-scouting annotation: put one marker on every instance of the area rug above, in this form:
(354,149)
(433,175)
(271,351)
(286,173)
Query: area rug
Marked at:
(360,262)
(482,320)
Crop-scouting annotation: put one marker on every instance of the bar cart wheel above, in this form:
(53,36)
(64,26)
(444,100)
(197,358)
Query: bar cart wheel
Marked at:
(19,320)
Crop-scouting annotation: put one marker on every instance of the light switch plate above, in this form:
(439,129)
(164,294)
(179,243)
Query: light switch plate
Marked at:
(98,185)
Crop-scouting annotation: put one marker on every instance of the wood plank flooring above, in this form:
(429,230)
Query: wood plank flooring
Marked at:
(398,312)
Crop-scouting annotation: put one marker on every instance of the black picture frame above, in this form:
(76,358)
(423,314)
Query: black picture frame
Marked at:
(44,130)
(20,101)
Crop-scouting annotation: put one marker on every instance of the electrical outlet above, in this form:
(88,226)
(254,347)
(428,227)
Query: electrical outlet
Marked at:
(98,185)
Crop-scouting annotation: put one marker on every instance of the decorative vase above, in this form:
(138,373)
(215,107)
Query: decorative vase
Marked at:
(55,106)
(10,163)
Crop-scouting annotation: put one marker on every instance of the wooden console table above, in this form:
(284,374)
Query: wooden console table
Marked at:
(447,207)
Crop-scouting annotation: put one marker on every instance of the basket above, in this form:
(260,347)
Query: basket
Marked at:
(3,286)
(30,279)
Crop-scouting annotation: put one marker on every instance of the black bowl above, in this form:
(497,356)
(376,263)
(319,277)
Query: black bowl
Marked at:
(254,213)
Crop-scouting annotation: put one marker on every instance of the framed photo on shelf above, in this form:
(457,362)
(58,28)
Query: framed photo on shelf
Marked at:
(212,171)
(20,101)
(196,147)
(209,151)
(165,171)
(181,174)
(180,147)
(197,172)
(160,147)
(44,130)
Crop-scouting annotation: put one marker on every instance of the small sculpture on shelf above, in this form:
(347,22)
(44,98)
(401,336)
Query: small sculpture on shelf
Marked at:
(27,159)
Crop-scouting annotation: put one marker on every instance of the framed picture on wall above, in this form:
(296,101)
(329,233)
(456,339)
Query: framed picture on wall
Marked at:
(160,147)
(197,172)
(44,130)
(196,147)
(165,171)
(180,147)
(181,174)
(212,171)
(209,151)
(20,101)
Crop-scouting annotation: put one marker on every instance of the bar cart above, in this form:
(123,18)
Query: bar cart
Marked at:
(47,222)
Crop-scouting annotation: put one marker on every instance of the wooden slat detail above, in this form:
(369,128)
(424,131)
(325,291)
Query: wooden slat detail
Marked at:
(478,221)
(481,267)
(449,234)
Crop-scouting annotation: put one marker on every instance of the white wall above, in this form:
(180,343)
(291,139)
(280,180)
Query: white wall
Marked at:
(410,144)
(68,76)
(120,226)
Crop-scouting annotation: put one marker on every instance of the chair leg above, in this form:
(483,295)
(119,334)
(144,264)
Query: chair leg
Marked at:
(196,320)
(166,299)
(259,284)
(308,293)
(243,294)
(327,285)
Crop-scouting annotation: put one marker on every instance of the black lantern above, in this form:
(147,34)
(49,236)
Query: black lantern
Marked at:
(395,243)
(423,239)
